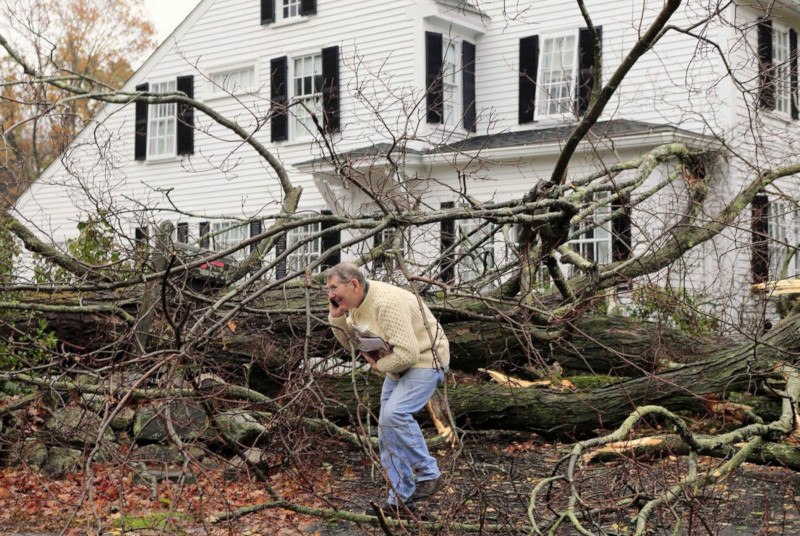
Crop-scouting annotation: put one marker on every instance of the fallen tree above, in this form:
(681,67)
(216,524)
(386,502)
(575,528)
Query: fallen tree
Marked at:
(538,313)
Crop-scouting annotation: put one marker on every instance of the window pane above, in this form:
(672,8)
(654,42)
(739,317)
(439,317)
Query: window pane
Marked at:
(291,8)
(783,84)
(234,81)
(556,75)
(307,74)
(161,124)
(305,253)
(594,244)
(229,234)
(475,254)
(778,247)
(450,93)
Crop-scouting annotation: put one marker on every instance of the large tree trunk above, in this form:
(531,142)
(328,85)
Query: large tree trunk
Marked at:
(568,413)
(596,344)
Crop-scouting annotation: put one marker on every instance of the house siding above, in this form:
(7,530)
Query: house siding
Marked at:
(382,66)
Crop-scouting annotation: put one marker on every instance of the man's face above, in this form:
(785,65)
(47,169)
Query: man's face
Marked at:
(342,293)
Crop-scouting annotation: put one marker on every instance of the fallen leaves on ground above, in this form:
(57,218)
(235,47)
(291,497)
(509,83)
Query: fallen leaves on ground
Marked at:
(119,503)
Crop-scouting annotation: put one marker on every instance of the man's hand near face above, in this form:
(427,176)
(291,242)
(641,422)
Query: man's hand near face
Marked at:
(335,308)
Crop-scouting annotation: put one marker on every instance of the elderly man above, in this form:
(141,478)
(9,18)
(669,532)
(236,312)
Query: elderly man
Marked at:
(397,335)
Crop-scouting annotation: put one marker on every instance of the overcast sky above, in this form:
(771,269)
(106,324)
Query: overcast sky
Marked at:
(167,14)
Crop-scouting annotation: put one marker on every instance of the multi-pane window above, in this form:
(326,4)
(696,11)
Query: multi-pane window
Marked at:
(290,8)
(556,75)
(475,251)
(307,87)
(161,123)
(182,232)
(303,254)
(229,234)
(394,243)
(795,247)
(450,93)
(781,56)
(234,80)
(778,218)
(594,241)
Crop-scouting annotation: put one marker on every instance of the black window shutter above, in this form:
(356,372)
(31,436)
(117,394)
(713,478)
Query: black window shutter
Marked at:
(793,70)
(308,7)
(621,231)
(280,247)
(447,272)
(183,232)
(331,239)
(766,73)
(255,230)
(528,70)
(185,130)
(267,11)
(759,259)
(205,228)
(433,76)
(586,74)
(141,235)
(468,87)
(377,240)
(140,139)
(279,129)
(330,88)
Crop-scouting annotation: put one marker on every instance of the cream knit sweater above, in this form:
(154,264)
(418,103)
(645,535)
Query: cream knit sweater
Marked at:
(394,314)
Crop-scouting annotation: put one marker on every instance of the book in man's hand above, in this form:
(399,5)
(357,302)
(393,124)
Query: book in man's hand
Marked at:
(373,346)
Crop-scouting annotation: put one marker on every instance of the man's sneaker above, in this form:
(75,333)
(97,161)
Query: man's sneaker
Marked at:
(426,488)
(392,510)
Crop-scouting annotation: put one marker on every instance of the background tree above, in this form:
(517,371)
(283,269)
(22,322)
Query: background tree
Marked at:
(95,43)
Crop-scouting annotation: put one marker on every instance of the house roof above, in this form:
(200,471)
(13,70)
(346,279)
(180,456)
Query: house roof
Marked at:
(550,139)
(601,129)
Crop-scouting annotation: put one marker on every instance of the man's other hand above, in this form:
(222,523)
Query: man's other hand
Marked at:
(372,363)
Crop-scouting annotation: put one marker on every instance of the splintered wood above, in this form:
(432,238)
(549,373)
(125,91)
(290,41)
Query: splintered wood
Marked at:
(502,379)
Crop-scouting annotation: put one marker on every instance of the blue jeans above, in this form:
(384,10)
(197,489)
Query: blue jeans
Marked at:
(403,449)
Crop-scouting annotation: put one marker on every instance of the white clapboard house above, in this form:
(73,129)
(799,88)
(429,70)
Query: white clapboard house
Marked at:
(427,100)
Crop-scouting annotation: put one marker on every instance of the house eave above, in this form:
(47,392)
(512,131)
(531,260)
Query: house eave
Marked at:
(771,5)
(511,147)
(527,152)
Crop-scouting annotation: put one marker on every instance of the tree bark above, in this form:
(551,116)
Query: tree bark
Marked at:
(598,344)
(577,413)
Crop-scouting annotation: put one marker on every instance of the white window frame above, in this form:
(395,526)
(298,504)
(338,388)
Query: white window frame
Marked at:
(451,82)
(781,56)
(300,125)
(289,9)
(796,244)
(541,281)
(473,263)
(547,83)
(777,219)
(594,242)
(226,234)
(389,262)
(229,81)
(162,124)
(307,253)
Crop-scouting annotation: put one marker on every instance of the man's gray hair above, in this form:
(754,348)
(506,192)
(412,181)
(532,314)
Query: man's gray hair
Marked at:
(346,272)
